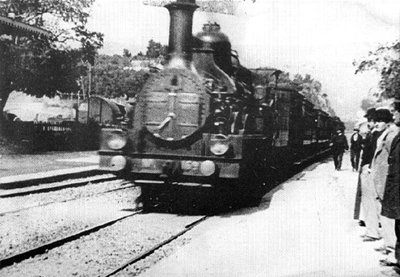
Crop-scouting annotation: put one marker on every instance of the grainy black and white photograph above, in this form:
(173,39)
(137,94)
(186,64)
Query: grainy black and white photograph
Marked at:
(200,138)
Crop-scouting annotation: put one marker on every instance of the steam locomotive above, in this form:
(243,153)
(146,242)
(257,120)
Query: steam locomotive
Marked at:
(202,121)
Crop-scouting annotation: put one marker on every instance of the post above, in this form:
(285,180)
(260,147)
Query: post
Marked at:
(88,92)
(90,79)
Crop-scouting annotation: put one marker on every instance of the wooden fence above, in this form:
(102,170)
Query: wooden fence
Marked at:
(62,136)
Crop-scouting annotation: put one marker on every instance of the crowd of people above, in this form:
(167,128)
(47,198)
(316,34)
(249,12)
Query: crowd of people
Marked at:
(376,156)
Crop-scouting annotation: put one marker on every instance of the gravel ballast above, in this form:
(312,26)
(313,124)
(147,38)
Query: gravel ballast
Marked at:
(10,204)
(30,228)
(99,253)
(142,265)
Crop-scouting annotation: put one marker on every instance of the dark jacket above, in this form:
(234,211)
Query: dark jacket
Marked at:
(339,144)
(391,196)
(356,145)
(369,146)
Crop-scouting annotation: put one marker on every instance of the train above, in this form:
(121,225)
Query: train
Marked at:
(203,122)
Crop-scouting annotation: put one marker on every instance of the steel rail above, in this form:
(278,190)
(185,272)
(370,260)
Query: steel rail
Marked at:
(58,242)
(49,187)
(156,247)
(33,179)
(71,199)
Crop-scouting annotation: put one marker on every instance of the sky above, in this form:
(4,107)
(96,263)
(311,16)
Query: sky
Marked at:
(317,37)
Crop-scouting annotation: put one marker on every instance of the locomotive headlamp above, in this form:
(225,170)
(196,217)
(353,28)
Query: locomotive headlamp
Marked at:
(207,168)
(116,140)
(118,162)
(219,145)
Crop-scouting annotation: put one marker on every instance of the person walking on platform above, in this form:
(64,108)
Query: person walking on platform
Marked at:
(339,146)
(368,192)
(391,195)
(379,170)
(355,148)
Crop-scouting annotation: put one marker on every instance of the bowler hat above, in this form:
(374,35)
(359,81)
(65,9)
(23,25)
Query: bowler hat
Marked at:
(383,115)
(370,113)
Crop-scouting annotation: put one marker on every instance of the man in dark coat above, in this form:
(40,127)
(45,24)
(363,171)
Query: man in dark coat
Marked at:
(369,143)
(367,189)
(339,146)
(366,159)
(355,148)
(391,196)
(379,171)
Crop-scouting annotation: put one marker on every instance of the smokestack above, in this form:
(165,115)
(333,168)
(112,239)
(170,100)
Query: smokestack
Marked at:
(180,32)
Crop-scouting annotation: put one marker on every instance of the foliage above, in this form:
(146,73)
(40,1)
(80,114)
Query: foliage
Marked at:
(43,66)
(309,87)
(113,78)
(385,60)
(127,53)
(156,50)
(312,90)
(65,19)
(42,70)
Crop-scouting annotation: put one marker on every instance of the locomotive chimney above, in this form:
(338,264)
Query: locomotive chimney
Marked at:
(180,32)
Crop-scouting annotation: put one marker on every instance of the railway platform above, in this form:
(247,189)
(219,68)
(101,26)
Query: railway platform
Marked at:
(45,164)
(305,227)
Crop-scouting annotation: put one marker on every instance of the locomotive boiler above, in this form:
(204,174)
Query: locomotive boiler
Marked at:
(203,122)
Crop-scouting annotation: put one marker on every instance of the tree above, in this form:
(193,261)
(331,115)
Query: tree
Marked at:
(127,54)
(312,90)
(384,60)
(113,78)
(156,50)
(42,66)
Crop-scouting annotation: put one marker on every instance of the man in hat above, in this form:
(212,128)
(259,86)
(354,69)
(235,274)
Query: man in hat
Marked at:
(355,148)
(369,142)
(368,193)
(339,146)
(379,170)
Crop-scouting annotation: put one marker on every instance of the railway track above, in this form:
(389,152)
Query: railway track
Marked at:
(141,257)
(83,245)
(155,248)
(122,185)
(33,187)
(26,180)
(16,258)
